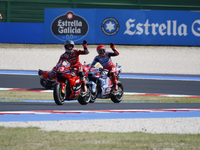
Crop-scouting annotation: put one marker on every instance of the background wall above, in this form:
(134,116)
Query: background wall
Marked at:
(21,32)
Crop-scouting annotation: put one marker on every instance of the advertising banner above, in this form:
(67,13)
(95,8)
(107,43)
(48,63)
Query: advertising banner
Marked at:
(69,24)
(21,32)
(122,26)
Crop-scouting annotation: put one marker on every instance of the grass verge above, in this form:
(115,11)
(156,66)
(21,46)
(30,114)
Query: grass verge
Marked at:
(14,95)
(34,139)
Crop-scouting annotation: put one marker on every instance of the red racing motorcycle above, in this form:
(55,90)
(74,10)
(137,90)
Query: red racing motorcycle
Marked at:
(67,85)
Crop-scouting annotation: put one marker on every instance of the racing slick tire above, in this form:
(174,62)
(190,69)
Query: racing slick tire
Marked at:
(118,97)
(84,100)
(59,97)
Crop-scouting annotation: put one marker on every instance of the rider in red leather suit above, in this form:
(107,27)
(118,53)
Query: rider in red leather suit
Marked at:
(104,58)
(72,56)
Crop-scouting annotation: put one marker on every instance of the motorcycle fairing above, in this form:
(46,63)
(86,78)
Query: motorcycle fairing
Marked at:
(106,86)
(75,87)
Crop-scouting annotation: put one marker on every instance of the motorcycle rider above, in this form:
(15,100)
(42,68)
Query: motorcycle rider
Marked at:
(72,56)
(104,58)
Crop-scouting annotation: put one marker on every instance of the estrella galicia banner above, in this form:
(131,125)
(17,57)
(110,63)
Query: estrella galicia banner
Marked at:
(69,24)
(129,27)
(64,24)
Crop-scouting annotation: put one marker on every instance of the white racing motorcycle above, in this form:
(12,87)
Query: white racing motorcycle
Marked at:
(102,86)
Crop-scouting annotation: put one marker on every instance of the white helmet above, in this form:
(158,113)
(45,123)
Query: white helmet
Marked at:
(69,42)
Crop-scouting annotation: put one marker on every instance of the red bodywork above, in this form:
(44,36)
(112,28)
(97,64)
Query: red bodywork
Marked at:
(73,78)
(45,75)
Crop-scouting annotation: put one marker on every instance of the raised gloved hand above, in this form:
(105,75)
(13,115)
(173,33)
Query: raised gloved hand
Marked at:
(112,46)
(85,44)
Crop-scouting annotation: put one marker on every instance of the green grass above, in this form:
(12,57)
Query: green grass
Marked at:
(15,95)
(35,139)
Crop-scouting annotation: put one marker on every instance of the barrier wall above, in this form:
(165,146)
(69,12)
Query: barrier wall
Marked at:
(21,32)
(143,27)
(130,27)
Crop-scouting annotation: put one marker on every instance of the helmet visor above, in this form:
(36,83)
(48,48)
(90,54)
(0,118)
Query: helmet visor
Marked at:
(101,51)
(69,46)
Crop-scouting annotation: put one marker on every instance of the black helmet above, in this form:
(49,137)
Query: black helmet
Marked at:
(69,42)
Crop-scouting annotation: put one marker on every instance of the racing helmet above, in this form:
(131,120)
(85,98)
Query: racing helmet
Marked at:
(66,45)
(101,50)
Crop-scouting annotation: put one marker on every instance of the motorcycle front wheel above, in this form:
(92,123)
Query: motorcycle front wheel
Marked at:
(84,100)
(93,96)
(59,97)
(118,98)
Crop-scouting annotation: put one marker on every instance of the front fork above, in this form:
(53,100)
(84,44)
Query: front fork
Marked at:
(63,86)
(93,86)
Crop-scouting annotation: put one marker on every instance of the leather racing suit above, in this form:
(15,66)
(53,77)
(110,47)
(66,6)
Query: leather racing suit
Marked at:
(73,59)
(107,63)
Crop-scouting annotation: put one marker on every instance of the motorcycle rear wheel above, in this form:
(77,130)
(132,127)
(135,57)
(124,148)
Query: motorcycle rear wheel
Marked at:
(45,83)
(59,97)
(118,98)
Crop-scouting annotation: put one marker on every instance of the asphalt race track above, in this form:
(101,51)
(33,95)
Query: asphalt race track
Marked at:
(34,106)
(179,87)
(138,84)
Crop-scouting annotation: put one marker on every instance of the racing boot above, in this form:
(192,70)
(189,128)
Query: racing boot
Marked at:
(45,74)
(116,91)
(40,72)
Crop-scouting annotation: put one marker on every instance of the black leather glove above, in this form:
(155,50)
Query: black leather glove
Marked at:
(112,46)
(84,43)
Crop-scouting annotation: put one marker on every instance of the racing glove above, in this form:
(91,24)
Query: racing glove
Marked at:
(112,46)
(85,44)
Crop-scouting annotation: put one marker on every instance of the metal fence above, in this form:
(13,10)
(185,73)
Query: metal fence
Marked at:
(33,10)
